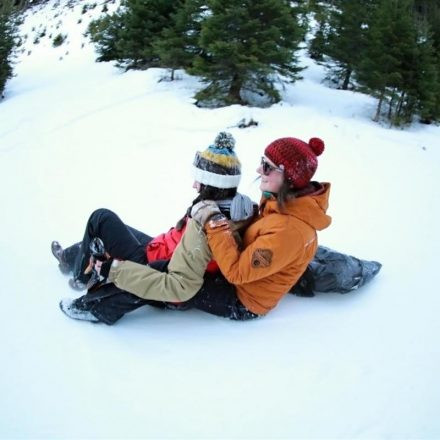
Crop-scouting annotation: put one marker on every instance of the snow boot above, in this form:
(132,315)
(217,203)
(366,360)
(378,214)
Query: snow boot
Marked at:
(369,270)
(333,271)
(76,309)
(77,285)
(57,252)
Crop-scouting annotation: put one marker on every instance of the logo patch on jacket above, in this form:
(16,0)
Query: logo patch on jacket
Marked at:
(261,258)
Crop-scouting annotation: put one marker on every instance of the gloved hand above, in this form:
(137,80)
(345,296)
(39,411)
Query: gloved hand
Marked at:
(100,272)
(202,211)
(102,268)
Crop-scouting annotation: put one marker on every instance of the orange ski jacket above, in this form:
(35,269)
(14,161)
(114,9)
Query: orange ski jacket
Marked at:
(277,248)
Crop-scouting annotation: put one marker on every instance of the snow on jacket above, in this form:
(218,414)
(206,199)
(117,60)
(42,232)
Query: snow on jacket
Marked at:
(277,248)
(163,246)
(185,270)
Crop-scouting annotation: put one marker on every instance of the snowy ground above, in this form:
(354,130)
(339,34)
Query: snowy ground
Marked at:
(76,135)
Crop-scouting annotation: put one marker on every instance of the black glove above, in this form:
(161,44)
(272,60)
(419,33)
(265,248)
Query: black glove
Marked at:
(105,268)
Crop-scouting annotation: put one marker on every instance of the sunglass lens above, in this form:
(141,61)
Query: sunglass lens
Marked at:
(266,167)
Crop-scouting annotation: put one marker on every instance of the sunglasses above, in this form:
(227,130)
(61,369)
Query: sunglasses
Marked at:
(268,168)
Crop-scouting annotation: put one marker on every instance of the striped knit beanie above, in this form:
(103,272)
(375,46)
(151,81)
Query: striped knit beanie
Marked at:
(218,165)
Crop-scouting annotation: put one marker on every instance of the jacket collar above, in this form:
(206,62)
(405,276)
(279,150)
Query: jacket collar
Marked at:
(309,205)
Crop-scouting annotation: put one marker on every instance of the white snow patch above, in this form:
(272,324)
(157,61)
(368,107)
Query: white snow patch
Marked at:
(76,135)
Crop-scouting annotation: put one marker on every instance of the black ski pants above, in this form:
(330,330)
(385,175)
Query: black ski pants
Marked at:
(216,296)
(109,303)
(120,241)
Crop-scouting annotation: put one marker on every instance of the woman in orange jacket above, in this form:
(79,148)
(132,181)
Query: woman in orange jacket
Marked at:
(279,245)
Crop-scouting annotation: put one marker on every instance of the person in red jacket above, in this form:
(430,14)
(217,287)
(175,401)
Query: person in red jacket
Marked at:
(217,173)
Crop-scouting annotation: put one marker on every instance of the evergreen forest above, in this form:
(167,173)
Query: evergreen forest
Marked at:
(244,51)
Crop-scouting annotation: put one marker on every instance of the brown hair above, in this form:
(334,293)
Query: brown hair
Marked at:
(285,193)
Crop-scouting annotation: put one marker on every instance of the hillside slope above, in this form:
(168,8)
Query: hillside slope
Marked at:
(76,135)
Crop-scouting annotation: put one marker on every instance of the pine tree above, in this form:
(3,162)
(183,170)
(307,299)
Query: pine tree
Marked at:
(300,10)
(317,45)
(178,44)
(345,39)
(246,46)
(143,22)
(428,18)
(427,82)
(128,36)
(105,33)
(8,41)
(435,116)
(428,11)
(388,63)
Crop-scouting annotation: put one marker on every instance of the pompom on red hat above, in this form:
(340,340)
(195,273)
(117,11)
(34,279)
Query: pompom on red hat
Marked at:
(296,157)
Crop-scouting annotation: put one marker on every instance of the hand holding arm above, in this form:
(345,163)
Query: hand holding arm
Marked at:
(202,211)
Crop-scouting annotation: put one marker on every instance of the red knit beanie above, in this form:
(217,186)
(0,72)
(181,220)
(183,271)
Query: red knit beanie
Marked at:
(298,158)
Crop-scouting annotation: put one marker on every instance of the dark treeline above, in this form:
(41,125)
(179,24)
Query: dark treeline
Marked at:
(388,48)
(239,48)
(9,16)
(245,50)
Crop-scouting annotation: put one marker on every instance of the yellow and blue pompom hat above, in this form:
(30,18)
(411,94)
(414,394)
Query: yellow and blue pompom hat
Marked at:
(218,165)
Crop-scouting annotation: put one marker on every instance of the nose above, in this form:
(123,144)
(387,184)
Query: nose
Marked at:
(260,170)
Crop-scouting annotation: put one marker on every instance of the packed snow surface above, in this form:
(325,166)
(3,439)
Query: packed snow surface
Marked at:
(76,135)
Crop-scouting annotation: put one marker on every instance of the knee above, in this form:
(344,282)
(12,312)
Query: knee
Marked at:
(101,213)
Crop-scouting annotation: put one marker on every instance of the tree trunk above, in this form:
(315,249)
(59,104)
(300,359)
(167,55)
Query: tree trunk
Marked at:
(346,82)
(409,109)
(390,107)
(400,105)
(234,90)
(379,107)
